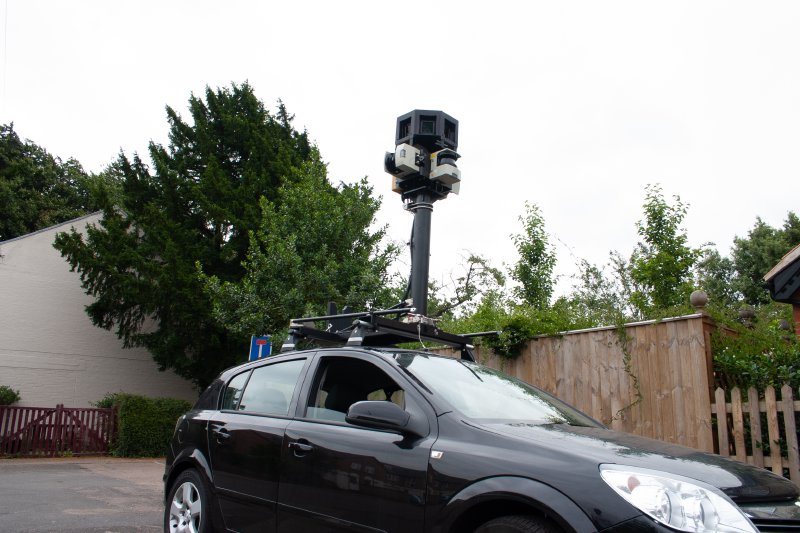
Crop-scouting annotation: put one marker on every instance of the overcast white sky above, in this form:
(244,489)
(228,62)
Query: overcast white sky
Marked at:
(572,105)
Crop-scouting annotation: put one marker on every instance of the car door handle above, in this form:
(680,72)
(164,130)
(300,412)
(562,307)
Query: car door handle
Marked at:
(221,434)
(301,447)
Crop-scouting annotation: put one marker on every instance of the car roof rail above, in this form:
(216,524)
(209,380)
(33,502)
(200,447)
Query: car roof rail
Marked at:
(374,329)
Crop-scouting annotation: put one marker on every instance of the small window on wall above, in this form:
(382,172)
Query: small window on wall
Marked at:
(270,388)
(343,381)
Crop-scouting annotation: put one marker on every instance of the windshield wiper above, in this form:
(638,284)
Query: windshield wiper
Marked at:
(468,368)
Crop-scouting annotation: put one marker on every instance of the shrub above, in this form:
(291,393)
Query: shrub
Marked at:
(108,401)
(758,354)
(145,425)
(8,395)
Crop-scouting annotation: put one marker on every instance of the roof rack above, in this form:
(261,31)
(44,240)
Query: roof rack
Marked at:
(372,328)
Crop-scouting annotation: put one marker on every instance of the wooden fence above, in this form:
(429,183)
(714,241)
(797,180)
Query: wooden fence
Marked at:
(652,379)
(656,379)
(54,431)
(752,432)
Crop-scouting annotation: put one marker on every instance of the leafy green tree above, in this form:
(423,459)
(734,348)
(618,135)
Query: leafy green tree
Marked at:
(534,269)
(662,263)
(715,275)
(601,295)
(476,279)
(314,245)
(38,190)
(199,204)
(756,254)
(791,229)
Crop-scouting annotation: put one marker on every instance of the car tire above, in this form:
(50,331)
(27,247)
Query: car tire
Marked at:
(518,524)
(188,505)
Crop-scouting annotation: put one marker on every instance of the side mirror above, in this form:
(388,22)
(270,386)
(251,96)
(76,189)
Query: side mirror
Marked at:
(379,415)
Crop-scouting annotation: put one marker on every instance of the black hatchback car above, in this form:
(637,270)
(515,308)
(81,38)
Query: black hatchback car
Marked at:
(382,439)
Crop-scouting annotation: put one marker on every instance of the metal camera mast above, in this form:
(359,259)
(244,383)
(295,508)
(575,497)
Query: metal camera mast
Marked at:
(423,170)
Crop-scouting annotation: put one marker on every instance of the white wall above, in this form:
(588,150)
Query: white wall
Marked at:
(49,349)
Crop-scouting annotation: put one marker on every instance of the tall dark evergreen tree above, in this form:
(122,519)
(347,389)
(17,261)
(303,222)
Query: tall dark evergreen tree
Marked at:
(193,210)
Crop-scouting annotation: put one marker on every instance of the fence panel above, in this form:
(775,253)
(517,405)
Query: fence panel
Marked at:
(650,378)
(735,419)
(55,430)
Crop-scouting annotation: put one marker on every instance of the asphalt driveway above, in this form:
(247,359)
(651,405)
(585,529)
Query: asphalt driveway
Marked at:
(87,495)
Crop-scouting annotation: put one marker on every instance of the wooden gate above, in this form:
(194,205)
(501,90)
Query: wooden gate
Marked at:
(54,431)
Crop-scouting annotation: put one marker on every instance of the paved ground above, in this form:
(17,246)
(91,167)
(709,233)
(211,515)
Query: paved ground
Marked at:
(87,495)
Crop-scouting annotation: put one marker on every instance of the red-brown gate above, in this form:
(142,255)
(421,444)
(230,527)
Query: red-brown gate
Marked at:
(55,430)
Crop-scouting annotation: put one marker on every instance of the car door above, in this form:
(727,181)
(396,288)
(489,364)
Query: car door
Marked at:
(340,477)
(245,442)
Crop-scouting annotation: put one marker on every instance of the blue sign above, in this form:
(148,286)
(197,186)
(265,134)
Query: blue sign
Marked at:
(260,347)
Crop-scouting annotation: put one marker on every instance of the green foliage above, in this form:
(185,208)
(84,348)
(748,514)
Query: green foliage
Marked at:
(601,295)
(476,280)
(145,425)
(715,275)
(756,354)
(108,401)
(755,255)
(537,259)
(661,266)
(9,396)
(517,324)
(314,244)
(38,190)
(197,204)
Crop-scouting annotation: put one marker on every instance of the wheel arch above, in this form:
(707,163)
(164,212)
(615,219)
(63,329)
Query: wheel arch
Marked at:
(195,460)
(186,460)
(504,495)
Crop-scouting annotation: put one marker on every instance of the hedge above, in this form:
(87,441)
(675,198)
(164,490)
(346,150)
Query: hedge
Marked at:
(144,425)
(8,395)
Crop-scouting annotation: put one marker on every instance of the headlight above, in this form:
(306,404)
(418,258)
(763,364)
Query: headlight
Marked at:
(676,502)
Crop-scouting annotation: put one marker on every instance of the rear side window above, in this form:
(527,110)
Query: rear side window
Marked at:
(233,392)
(270,388)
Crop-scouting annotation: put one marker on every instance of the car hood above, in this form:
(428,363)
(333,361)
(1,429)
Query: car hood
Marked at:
(741,482)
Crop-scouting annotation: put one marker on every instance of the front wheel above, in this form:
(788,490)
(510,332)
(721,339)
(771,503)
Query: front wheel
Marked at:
(518,524)
(187,505)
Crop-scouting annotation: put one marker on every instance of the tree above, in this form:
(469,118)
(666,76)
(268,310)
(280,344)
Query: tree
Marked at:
(716,275)
(314,245)
(466,291)
(661,265)
(756,254)
(199,207)
(602,295)
(533,270)
(38,190)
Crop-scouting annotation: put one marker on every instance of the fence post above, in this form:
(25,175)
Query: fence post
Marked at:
(755,427)
(773,431)
(58,438)
(787,400)
(738,425)
(722,422)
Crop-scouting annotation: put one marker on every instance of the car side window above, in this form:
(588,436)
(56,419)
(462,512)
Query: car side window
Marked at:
(233,392)
(342,381)
(271,387)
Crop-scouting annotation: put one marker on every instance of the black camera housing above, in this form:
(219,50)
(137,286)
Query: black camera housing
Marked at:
(431,130)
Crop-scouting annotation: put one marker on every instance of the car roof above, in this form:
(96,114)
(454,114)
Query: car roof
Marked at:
(385,353)
(382,353)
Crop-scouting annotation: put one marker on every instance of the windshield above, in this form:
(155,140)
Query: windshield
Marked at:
(488,395)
